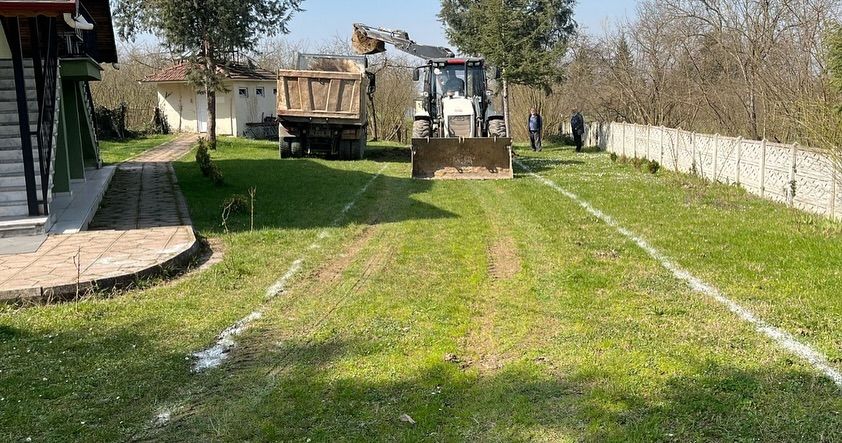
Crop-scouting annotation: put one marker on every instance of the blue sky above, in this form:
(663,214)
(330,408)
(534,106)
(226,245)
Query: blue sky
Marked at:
(324,19)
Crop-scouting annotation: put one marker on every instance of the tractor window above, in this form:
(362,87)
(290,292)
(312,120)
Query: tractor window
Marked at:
(476,81)
(449,79)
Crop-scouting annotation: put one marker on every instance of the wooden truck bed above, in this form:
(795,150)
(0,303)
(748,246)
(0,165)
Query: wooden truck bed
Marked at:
(322,95)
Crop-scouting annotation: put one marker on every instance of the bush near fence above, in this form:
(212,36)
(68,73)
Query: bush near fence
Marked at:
(798,176)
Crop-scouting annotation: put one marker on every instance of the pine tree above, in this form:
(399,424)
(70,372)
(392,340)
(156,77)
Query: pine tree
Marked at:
(526,38)
(207,32)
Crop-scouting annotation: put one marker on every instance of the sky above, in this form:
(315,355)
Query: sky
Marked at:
(324,19)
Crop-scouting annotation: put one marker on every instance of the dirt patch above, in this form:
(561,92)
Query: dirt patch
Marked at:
(503,259)
(331,271)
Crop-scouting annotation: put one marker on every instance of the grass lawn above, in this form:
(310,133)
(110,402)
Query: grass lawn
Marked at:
(494,311)
(116,151)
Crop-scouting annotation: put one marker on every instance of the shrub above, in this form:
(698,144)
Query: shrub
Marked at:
(203,158)
(215,175)
(236,204)
(653,166)
(613,157)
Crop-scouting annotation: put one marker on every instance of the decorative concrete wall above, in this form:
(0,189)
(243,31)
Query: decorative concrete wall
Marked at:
(797,176)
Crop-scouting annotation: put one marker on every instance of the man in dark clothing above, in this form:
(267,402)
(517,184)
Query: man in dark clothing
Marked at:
(577,126)
(536,124)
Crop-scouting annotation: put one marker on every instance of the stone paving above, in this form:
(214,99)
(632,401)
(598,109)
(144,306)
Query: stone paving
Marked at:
(142,227)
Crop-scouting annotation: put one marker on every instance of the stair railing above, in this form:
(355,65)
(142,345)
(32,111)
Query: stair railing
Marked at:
(45,64)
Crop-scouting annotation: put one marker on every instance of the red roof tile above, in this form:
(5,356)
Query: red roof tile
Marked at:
(178,73)
(37,6)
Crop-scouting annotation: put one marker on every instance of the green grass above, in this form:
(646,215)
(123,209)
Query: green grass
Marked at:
(494,311)
(116,151)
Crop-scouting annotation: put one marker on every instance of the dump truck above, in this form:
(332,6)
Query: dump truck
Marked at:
(457,133)
(322,108)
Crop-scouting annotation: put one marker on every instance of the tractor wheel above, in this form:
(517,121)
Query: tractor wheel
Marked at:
(295,149)
(422,128)
(497,128)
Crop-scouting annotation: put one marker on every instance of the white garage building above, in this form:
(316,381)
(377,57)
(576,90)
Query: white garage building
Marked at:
(249,98)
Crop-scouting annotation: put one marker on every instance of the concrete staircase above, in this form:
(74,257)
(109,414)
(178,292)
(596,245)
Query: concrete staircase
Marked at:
(14,211)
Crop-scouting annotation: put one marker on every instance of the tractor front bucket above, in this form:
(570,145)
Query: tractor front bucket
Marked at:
(486,158)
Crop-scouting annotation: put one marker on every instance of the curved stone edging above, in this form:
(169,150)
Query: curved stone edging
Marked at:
(64,292)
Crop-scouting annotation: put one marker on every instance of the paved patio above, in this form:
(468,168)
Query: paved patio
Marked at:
(142,228)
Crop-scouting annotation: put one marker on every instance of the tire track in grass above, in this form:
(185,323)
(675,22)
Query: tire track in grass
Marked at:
(214,356)
(782,338)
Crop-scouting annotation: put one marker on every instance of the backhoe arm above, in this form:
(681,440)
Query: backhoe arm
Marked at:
(370,40)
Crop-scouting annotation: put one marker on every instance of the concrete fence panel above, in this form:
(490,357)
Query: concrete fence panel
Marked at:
(800,177)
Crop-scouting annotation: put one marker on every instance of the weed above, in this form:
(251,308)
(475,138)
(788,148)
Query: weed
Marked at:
(613,157)
(637,162)
(653,166)
(623,159)
(236,204)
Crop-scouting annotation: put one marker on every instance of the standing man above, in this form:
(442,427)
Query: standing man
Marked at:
(577,125)
(536,124)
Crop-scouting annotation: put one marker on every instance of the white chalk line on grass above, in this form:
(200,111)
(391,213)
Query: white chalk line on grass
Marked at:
(216,354)
(781,337)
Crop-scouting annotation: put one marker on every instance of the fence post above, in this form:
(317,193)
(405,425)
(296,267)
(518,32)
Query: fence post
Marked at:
(763,168)
(739,157)
(790,192)
(661,144)
(833,186)
(695,168)
(716,157)
(624,138)
(648,141)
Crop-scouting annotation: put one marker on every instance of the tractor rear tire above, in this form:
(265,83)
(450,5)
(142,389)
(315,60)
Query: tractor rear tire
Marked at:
(497,128)
(422,128)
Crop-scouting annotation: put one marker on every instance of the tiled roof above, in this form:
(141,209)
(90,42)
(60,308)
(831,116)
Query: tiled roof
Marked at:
(178,73)
(37,6)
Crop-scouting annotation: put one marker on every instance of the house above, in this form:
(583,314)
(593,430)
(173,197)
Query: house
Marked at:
(49,52)
(249,97)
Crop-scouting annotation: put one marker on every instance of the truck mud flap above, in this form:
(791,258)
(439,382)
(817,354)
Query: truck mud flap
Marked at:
(484,158)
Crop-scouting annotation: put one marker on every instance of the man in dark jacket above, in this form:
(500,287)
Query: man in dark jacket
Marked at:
(536,124)
(577,126)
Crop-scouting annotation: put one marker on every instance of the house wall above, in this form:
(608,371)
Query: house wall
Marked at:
(178,104)
(252,108)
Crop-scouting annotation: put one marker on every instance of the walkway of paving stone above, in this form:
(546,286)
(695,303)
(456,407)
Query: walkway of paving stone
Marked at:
(142,227)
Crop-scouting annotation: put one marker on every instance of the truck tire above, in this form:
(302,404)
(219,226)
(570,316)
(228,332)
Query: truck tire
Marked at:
(422,128)
(497,128)
(345,148)
(358,149)
(295,149)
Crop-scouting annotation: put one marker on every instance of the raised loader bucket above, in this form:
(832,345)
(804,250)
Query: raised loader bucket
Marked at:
(462,158)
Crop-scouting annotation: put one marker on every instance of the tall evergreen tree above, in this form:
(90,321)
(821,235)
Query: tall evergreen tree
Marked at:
(207,32)
(526,38)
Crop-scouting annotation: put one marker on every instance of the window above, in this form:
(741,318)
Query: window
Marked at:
(243,92)
(259,92)
(275,91)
